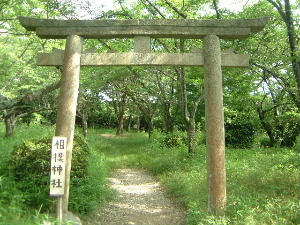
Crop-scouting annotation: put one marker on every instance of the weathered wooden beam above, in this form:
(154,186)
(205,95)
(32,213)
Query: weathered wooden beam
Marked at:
(159,28)
(143,59)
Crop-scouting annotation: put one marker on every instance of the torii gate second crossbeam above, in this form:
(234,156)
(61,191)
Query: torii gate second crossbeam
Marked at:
(212,58)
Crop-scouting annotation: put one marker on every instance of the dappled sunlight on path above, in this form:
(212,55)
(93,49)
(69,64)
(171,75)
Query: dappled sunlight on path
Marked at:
(141,200)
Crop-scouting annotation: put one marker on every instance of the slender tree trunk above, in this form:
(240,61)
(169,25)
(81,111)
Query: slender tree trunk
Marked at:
(138,124)
(287,16)
(188,115)
(122,114)
(267,127)
(192,138)
(85,122)
(294,51)
(168,120)
(151,127)
(129,121)
(121,125)
(109,122)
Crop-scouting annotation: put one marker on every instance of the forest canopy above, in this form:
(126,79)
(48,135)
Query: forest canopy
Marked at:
(261,101)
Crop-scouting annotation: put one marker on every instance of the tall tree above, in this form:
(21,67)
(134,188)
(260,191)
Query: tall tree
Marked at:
(286,13)
(19,107)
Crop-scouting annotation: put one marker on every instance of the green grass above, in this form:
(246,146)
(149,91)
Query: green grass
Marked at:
(12,207)
(262,184)
(23,132)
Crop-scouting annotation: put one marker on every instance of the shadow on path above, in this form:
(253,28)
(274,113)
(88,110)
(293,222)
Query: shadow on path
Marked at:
(141,200)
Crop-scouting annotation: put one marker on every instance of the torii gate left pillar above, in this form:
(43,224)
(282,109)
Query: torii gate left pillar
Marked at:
(66,112)
(212,60)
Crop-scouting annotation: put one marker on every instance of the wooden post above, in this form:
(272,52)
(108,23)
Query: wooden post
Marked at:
(66,114)
(215,132)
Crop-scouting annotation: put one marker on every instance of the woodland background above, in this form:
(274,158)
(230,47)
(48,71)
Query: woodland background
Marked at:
(263,99)
(262,102)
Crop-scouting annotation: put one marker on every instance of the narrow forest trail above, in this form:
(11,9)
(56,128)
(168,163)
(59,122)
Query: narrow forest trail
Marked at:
(141,200)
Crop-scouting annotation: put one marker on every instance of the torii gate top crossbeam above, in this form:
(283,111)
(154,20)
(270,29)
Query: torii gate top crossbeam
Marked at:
(158,28)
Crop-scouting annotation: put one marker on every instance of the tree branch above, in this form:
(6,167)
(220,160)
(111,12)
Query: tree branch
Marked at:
(40,93)
(157,10)
(279,8)
(20,100)
(197,102)
(216,7)
(29,113)
(184,16)
(285,84)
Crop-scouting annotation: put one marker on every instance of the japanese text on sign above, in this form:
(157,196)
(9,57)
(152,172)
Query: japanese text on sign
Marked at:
(58,165)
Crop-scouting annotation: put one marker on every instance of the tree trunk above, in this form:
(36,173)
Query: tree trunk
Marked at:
(138,124)
(188,115)
(151,127)
(122,114)
(192,138)
(85,122)
(267,127)
(294,51)
(129,121)
(16,109)
(168,120)
(287,16)
(10,122)
(121,125)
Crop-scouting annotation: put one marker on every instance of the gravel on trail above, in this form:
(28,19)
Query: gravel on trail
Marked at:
(141,200)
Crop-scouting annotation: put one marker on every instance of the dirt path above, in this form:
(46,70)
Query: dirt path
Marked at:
(141,200)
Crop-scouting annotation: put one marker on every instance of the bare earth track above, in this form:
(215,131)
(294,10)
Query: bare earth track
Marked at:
(141,200)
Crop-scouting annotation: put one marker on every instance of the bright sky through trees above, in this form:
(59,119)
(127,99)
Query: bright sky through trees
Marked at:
(105,5)
(232,4)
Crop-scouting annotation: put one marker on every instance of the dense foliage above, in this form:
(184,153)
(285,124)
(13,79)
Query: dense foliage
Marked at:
(262,102)
(239,130)
(166,98)
(262,183)
(30,166)
(24,187)
(175,139)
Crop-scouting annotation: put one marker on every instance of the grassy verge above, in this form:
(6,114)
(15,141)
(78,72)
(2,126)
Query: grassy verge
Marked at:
(87,197)
(262,184)
(12,210)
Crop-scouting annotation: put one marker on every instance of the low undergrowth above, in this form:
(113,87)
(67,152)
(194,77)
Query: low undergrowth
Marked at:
(262,184)
(24,180)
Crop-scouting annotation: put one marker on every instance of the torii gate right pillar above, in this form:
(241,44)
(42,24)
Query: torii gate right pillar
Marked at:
(215,132)
(209,30)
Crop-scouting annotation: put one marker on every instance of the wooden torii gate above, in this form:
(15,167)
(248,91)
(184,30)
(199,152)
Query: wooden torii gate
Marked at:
(212,58)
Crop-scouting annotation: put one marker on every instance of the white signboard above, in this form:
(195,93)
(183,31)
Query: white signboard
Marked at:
(58,166)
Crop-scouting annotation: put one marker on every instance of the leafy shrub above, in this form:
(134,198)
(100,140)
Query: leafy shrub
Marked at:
(265,142)
(290,123)
(175,139)
(239,130)
(297,144)
(11,199)
(30,166)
